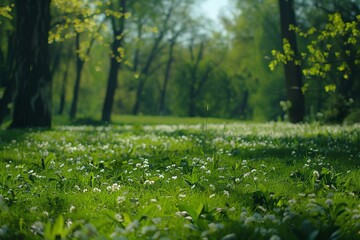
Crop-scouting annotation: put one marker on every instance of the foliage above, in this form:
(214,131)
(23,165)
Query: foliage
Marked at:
(5,11)
(333,46)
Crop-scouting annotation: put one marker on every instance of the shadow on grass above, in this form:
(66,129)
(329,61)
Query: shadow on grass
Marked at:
(340,150)
(7,136)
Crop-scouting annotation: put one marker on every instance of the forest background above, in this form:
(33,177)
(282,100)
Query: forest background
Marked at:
(164,57)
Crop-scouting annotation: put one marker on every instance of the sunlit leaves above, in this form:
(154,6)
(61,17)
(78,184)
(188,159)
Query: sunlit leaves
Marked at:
(6,11)
(120,54)
(283,57)
(331,48)
(330,88)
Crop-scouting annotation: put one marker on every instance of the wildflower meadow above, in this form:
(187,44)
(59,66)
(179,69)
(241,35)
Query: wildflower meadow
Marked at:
(181,181)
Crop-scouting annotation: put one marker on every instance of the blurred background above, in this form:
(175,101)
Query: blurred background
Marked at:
(194,58)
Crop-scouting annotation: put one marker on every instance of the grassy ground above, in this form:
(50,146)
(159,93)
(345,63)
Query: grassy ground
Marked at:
(175,178)
(141,120)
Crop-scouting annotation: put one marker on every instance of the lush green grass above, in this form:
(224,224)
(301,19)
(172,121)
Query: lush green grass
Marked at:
(140,120)
(209,179)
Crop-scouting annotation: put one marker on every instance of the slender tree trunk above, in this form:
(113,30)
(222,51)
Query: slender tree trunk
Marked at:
(56,53)
(194,76)
(137,50)
(79,67)
(32,102)
(64,82)
(167,77)
(139,92)
(192,97)
(292,72)
(114,66)
(244,103)
(110,90)
(63,92)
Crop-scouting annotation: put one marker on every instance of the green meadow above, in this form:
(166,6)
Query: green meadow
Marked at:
(175,178)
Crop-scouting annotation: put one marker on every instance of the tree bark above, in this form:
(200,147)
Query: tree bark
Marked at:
(244,104)
(167,77)
(64,82)
(63,89)
(194,76)
(32,100)
(292,72)
(79,67)
(114,66)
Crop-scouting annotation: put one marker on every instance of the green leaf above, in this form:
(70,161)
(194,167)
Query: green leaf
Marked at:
(47,231)
(58,226)
(127,219)
(199,210)
(191,211)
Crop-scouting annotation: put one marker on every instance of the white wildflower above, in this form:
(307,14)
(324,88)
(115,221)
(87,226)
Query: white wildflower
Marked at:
(316,174)
(72,209)
(121,199)
(149,182)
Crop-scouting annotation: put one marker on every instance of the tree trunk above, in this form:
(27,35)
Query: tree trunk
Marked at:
(244,104)
(166,78)
(110,90)
(79,67)
(139,92)
(63,93)
(32,102)
(114,66)
(292,72)
(191,100)
(194,67)
(64,82)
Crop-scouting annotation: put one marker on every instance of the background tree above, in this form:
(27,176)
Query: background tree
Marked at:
(329,55)
(117,55)
(292,71)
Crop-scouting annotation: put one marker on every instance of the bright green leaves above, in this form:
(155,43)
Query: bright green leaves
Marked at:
(6,11)
(282,57)
(330,88)
(58,229)
(120,54)
(75,17)
(330,49)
